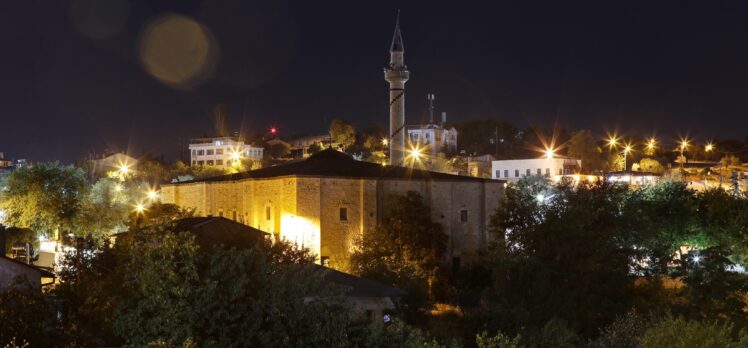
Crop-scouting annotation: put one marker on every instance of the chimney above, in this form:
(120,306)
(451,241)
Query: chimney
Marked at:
(444,117)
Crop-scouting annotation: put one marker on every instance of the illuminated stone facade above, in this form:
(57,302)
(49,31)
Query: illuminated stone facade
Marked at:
(328,200)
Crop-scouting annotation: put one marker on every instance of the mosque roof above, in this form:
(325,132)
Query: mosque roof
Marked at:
(332,163)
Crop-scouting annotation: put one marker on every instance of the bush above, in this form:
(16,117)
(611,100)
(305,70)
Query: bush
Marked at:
(679,332)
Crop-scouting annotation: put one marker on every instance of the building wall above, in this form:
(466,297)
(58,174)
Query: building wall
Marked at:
(307,210)
(9,270)
(517,169)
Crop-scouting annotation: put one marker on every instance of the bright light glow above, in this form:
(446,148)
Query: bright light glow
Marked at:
(415,153)
(612,141)
(651,143)
(709,147)
(549,152)
(540,197)
(236,155)
(273,130)
(300,232)
(627,149)
(152,195)
(124,168)
(385,142)
(683,144)
(139,208)
(118,188)
(697,258)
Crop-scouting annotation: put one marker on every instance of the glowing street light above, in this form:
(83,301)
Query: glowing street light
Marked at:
(152,195)
(682,147)
(549,152)
(651,144)
(385,142)
(612,142)
(139,208)
(709,147)
(626,151)
(118,188)
(415,153)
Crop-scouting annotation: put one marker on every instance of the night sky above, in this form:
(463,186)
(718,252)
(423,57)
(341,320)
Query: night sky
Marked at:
(74,78)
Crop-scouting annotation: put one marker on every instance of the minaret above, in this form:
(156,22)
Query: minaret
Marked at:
(397,74)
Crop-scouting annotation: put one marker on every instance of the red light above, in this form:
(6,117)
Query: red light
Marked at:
(273,130)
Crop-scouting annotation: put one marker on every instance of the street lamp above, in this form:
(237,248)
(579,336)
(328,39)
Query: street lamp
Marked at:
(139,208)
(626,151)
(683,146)
(385,142)
(709,147)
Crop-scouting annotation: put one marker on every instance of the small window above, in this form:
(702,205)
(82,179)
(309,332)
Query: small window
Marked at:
(560,171)
(194,162)
(463,215)
(547,171)
(200,163)
(527,172)
(200,152)
(506,173)
(267,213)
(539,172)
(219,162)
(210,162)
(516,173)
(209,152)
(234,215)
(343,214)
(194,152)
(220,213)
(219,151)
(498,173)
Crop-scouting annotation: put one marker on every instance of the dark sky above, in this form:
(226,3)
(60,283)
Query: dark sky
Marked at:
(74,77)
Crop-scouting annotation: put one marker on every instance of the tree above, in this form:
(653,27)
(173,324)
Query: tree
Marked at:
(104,211)
(314,148)
(679,332)
(440,164)
(26,315)
(342,132)
(278,150)
(405,250)
(583,146)
(158,215)
(44,197)
(650,165)
(540,270)
(478,136)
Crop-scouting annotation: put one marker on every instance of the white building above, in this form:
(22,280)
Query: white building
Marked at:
(553,168)
(436,137)
(222,151)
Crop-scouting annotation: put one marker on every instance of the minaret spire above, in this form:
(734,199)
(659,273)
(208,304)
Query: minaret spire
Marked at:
(396,73)
(397,37)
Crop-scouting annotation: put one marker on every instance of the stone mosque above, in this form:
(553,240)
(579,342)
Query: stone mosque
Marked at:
(330,199)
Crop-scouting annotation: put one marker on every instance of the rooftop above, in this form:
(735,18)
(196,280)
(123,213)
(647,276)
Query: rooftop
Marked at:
(332,163)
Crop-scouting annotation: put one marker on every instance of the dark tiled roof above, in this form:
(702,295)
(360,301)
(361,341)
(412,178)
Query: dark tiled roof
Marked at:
(360,287)
(212,231)
(44,273)
(331,163)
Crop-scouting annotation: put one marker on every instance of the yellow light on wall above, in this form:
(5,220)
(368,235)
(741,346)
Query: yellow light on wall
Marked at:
(301,233)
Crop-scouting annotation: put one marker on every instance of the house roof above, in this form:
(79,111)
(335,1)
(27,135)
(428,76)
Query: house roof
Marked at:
(360,287)
(213,231)
(44,273)
(332,163)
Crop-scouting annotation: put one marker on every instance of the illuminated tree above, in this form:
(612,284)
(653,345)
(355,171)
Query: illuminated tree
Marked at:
(44,197)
